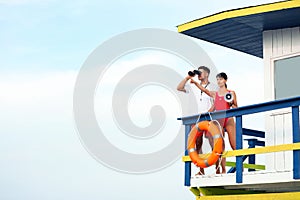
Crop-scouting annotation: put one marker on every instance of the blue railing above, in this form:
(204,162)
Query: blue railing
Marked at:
(252,143)
(238,113)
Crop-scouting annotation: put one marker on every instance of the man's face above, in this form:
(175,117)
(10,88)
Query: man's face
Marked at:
(203,75)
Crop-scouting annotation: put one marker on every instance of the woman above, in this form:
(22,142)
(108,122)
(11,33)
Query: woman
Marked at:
(221,104)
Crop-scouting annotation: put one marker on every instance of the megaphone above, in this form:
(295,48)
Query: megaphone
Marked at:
(228,97)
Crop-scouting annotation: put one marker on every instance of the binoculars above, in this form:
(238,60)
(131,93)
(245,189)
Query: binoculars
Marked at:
(193,73)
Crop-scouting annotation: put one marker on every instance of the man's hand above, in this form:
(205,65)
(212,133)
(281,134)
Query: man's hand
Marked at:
(193,81)
(188,77)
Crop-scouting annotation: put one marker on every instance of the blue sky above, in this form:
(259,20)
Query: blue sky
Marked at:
(43,44)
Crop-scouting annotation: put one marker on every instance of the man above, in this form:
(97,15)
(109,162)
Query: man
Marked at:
(205,102)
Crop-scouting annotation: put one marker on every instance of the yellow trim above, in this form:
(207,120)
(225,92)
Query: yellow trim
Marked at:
(269,149)
(260,150)
(238,13)
(195,191)
(246,165)
(265,196)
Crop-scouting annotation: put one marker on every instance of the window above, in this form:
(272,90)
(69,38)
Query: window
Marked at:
(287,77)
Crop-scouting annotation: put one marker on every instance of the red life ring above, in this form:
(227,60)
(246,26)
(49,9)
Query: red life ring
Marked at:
(197,131)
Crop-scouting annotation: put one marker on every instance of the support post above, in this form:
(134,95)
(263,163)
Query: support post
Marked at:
(251,160)
(187,165)
(296,138)
(239,145)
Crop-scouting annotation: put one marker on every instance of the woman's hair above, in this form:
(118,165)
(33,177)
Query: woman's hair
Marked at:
(222,75)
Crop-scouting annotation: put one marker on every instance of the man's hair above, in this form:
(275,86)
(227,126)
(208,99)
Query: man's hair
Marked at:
(204,68)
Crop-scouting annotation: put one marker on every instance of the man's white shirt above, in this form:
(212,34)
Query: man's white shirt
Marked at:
(202,100)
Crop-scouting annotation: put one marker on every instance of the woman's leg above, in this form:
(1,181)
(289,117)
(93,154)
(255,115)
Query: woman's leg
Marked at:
(223,160)
(230,128)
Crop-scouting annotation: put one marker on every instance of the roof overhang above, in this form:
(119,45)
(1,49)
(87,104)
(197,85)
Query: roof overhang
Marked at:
(241,29)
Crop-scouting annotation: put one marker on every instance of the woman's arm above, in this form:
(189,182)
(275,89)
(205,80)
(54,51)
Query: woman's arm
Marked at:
(203,89)
(212,108)
(234,101)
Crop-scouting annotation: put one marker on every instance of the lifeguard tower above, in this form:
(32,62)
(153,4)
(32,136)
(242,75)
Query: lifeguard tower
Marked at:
(271,32)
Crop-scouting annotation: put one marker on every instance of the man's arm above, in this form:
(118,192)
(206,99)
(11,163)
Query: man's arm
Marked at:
(181,85)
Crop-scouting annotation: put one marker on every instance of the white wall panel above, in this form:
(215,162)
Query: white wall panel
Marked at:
(278,44)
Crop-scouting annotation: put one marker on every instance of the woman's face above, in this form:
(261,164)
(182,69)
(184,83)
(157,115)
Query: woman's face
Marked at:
(221,81)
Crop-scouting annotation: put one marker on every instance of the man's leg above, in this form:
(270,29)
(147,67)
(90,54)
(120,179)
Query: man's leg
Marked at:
(211,143)
(199,143)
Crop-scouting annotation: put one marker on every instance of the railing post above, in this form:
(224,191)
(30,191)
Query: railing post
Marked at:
(187,165)
(296,138)
(251,159)
(239,145)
